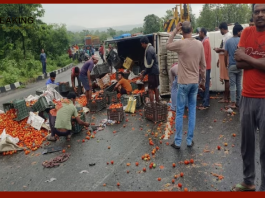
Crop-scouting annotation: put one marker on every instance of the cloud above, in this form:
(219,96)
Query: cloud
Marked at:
(105,15)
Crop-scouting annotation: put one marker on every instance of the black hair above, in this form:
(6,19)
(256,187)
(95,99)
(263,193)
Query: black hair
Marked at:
(237,23)
(144,40)
(223,25)
(121,73)
(236,29)
(253,6)
(186,29)
(52,74)
(204,31)
(77,70)
(71,95)
(251,20)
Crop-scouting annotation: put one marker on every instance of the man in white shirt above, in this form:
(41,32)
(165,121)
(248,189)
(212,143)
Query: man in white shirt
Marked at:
(224,78)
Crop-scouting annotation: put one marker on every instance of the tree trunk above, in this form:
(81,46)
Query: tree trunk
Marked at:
(23,46)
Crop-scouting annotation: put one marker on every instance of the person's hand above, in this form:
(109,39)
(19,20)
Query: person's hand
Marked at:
(141,77)
(75,89)
(179,26)
(202,87)
(87,124)
(217,64)
(239,54)
(90,84)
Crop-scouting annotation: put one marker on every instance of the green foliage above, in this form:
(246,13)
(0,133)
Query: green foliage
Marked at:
(152,24)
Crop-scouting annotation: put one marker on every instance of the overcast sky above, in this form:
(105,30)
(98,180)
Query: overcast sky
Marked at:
(105,15)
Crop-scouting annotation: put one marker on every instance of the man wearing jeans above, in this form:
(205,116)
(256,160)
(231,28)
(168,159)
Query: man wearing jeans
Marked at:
(191,57)
(235,75)
(205,95)
(251,57)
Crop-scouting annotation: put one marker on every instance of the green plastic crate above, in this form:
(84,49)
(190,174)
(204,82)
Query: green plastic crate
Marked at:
(77,128)
(40,105)
(8,106)
(21,109)
(111,97)
(64,87)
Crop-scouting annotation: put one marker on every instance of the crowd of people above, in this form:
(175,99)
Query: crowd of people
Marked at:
(241,53)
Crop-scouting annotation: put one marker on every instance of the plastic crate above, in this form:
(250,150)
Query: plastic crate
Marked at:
(155,112)
(21,109)
(143,96)
(64,87)
(77,128)
(136,70)
(114,60)
(8,106)
(125,99)
(110,88)
(97,105)
(103,68)
(111,97)
(134,86)
(115,114)
(41,105)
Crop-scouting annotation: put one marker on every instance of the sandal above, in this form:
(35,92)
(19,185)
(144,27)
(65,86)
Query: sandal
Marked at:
(241,188)
(68,137)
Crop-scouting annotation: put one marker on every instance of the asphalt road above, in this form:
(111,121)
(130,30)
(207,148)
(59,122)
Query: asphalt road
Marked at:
(122,145)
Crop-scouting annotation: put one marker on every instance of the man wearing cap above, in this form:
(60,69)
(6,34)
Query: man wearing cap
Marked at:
(84,75)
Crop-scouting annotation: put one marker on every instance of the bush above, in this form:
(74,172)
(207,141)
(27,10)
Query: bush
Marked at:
(9,78)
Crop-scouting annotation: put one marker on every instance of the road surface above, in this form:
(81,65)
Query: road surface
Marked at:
(213,170)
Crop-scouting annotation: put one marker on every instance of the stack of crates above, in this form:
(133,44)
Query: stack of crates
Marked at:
(97,105)
(111,96)
(116,114)
(125,99)
(42,105)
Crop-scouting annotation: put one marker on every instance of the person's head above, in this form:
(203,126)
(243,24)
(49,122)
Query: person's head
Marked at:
(71,96)
(77,71)
(259,15)
(223,28)
(52,76)
(120,75)
(251,22)
(95,59)
(202,33)
(186,28)
(237,30)
(236,23)
(144,41)
(109,46)
(42,50)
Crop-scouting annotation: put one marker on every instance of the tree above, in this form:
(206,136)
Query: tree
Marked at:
(152,23)
(193,19)
(111,32)
(169,15)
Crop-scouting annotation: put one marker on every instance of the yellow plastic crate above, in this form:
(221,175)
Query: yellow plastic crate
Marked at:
(127,63)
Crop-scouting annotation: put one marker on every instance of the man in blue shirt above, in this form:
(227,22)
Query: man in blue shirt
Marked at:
(235,75)
(51,80)
(43,61)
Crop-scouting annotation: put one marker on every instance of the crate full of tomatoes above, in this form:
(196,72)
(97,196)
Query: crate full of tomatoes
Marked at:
(98,103)
(115,112)
(155,112)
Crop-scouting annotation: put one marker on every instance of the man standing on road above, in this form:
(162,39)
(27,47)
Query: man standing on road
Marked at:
(43,60)
(235,75)
(62,125)
(75,74)
(151,64)
(223,70)
(251,57)
(101,53)
(205,95)
(191,57)
(85,78)
(69,51)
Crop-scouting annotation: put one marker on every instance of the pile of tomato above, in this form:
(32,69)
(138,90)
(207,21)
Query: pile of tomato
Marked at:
(82,100)
(137,91)
(115,106)
(31,103)
(27,135)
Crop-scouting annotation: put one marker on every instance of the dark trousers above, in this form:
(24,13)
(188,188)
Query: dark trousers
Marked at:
(252,116)
(205,95)
(43,67)
(54,131)
(101,55)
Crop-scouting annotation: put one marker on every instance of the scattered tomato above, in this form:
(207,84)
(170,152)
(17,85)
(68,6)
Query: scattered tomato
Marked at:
(219,147)
(191,161)
(185,189)
(144,169)
(136,163)
(173,181)
(112,162)
(174,165)
(159,179)
(118,184)
(63,151)
(83,140)
(180,185)
(181,174)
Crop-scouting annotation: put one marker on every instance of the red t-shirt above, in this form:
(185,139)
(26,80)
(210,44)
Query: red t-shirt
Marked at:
(253,79)
(207,52)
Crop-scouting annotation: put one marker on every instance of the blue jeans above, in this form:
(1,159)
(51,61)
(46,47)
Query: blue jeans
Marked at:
(43,67)
(174,92)
(235,79)
(84,81)
(186,92)
(205,95)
